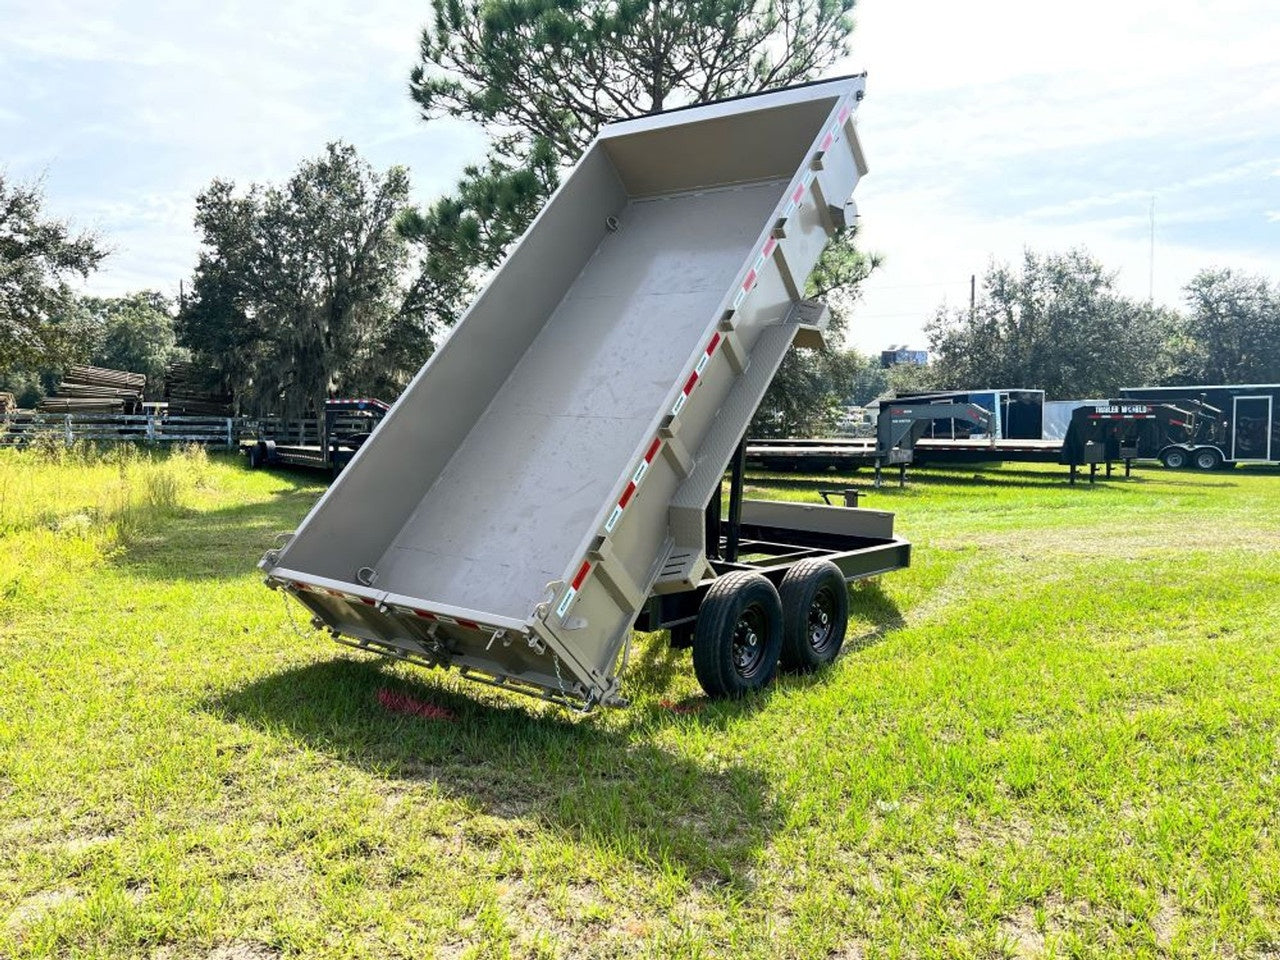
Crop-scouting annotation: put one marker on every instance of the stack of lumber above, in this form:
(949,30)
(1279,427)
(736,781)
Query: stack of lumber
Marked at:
(7,402)
(188,393)
(96,390)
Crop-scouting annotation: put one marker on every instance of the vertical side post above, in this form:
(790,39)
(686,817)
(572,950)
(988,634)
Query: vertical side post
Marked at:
(713,524)
(735,502)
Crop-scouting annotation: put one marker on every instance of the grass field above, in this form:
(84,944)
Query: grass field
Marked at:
(1057,734)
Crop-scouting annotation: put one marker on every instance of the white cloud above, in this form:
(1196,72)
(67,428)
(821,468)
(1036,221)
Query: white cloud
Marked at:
(990,126)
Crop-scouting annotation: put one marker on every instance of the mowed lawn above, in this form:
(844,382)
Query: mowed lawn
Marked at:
(1057,734)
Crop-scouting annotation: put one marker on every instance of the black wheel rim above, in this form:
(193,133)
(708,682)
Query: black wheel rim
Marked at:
(749,640)
(1206,461)
(821,627)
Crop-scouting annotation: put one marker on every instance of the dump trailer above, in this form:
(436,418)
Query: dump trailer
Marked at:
(553,476)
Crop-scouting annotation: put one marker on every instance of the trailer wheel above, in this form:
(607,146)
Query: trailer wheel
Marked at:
(815,614)
(1208,459)
(256,456)
(738,636)
(1175,458)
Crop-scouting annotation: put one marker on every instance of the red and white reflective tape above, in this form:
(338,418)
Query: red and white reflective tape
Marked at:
(696,373)
(574,587)
(636,476)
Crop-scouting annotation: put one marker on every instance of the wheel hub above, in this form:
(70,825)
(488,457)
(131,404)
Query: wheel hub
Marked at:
(821,620)
(748,645)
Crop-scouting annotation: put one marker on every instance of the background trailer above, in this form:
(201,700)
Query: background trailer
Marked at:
(1016,414)
(1246,429)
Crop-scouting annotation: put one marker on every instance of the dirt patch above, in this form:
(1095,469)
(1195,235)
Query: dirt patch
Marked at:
(243,951)
(31,909)
(1022,934)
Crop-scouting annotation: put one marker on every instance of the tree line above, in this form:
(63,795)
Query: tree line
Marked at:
(333,282)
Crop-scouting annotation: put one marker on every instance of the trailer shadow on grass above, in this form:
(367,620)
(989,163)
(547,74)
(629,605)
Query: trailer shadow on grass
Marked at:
(597,784)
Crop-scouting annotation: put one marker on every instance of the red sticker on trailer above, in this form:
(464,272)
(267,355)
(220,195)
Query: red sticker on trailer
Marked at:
(657,442)
(711,347)
(627,494)
(826,143)
(798,194)
(844,114)
(750,281)
(769,245)
(690,383)
(582,575)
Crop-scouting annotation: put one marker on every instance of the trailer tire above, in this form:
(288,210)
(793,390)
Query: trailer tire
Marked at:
(1175,458)
(815,615)
(257,455)
(1207,459)
(738,636)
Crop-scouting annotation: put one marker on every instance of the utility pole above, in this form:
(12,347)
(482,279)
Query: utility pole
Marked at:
(1151,257)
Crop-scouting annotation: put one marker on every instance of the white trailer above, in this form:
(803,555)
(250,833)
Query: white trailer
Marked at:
(552,478)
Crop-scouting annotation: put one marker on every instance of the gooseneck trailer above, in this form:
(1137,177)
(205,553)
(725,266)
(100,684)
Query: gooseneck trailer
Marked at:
(552,477)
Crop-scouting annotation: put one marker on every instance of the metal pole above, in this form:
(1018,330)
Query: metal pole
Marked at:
(735,501)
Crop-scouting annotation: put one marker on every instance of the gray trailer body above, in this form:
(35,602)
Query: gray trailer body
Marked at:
(549,469)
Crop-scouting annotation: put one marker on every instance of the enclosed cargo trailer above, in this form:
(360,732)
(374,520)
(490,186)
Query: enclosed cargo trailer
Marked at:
(1247,429)
(554,471)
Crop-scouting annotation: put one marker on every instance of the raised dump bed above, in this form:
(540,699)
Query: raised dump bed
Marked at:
(544,482)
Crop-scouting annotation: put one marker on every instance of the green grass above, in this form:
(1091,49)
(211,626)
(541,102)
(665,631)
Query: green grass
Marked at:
(1057,734)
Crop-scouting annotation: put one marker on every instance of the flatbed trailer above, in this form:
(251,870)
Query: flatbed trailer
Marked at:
(345,426)
(552,477)
(848,454)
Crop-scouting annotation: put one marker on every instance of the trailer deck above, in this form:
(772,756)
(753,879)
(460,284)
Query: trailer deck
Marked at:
(846,454)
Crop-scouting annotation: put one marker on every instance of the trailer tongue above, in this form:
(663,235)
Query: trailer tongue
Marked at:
(553,474)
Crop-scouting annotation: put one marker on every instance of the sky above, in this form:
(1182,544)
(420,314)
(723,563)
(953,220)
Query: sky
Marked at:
(990,126)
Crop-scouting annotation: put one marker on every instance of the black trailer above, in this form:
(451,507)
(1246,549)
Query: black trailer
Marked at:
(1246,428)
(1016,414)
(344,428)
(1113,431)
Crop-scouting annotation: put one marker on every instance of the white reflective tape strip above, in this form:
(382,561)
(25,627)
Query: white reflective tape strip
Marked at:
(613,519)
(640,472)
(564,604)
(737,300)
(675,411)
(443,619)
(702,364)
